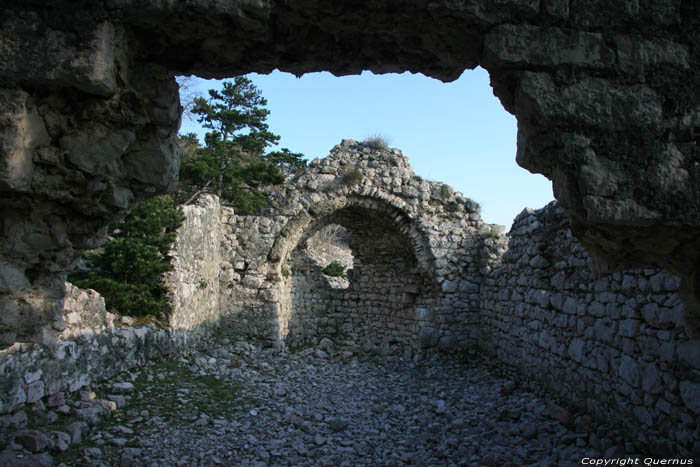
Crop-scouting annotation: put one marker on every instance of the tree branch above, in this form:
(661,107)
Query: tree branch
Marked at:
(199,192)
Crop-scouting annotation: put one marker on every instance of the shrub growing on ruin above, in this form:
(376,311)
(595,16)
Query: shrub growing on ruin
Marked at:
(446,191)
(377,141)
(334,269)
(127,270)
(352,177)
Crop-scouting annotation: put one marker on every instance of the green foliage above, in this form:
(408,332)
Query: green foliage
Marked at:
(232,164)
(334,269)
(377,141)
(446,191)
(237,107)
(188,144)
(285,272)
(127,270)
(352,176)
(290,163)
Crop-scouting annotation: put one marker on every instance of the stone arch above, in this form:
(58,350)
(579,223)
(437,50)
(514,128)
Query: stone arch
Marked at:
(392,282)
(402,225)
(309,222)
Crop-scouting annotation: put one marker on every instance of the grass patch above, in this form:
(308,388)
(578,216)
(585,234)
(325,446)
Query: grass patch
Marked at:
(446,191)
(171,392)
(352,177)
(377,141)
(165,393)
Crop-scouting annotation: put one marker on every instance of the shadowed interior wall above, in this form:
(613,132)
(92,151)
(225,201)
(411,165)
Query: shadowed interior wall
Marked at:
(379,310)
(612,343)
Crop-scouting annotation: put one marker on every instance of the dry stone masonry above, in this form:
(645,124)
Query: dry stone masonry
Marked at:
(605,94)
(90,348)
(194,280)
(615,344)
(419,250)
(428,276)
(85,343)
(606,97)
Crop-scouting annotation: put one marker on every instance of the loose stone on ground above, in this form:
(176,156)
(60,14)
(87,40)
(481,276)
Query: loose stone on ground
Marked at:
(264,407)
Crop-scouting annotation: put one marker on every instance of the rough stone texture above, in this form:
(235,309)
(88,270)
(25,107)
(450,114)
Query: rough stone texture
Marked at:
(81,343)
(301,409)
(194,281)
(419,251)
(428,274)
(605,94)
(85,133)
(614,344)
(89,348)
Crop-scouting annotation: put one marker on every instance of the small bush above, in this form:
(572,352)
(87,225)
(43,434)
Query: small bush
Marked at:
(377,141)
(285,272)
(334,269)
(446,191)
(353,176)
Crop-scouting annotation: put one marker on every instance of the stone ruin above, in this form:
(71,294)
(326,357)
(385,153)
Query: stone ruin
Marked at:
(428,276)
(606,98)
(605,94)
(419,251)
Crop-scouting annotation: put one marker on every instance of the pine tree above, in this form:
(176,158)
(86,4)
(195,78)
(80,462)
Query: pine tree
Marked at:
(231,164)
(127,270)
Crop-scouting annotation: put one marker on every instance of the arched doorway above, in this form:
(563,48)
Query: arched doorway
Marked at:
(381,309)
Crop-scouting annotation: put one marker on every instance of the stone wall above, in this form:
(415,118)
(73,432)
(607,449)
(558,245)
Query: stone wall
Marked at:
(248,295)
(196,259)
(89,348)
(614,344)
(83,345)
(379,310)
(420,250)
(605,93)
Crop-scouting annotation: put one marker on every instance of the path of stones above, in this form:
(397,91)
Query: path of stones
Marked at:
(240,405)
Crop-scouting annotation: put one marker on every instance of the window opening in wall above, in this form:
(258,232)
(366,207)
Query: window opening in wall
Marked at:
(330,249)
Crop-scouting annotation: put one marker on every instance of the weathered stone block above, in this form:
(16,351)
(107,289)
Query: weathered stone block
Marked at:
(589,102)
(690,393)
(629,371)
(604,331)
(651,381)
(689,353)
(21,131)
(58,57)
(33,440)
(35,392)
(629,327)
(576,349)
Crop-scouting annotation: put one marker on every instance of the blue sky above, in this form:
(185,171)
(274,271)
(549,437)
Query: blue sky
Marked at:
(457,133)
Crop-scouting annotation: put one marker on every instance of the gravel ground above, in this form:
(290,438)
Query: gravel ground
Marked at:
(239,405)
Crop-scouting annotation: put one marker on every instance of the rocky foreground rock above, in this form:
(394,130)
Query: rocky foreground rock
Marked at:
(241,405)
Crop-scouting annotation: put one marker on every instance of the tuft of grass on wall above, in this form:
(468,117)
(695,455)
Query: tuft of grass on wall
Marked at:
(352,177)
(377,141)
